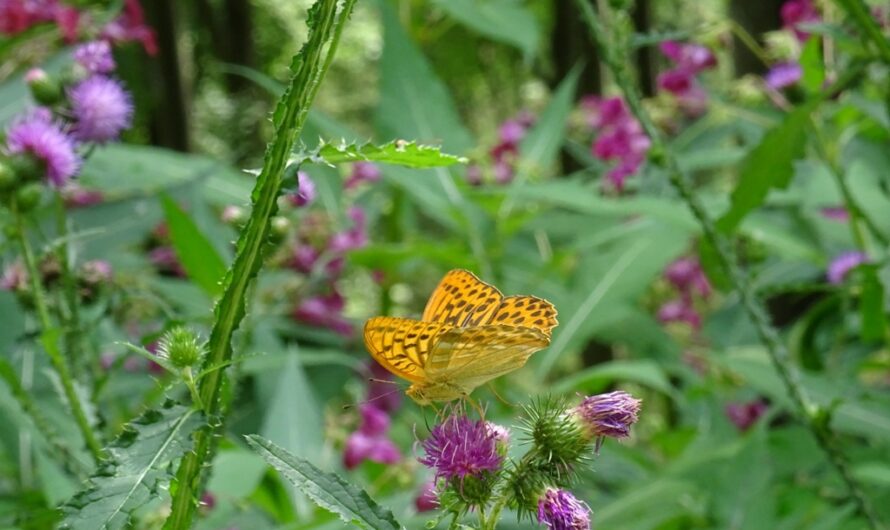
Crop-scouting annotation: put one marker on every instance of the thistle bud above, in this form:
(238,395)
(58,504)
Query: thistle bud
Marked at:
(560,510)
(7,176)
(181,347)
(609,414)
(44,89)
(28,196)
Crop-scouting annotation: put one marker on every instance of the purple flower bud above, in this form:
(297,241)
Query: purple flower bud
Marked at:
(101,107)
(744,415)
(783,75)
(511,132)
(426,499)
(677,81)
(691,57)
(42,138)
(682,272)
(96,271)
(15,277)
(609,414)
(795,12)
(208,501)
(78,197)
(841,266)
(305,194)
(680,310)
(324,311)
(559,510)
(375,421)
(362,172)
(503,173)
(836,213)
(95,57)
(460,447)
(166,261)
(304,258)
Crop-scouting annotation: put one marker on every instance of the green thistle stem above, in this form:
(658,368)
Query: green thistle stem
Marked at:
(49,339)
(813,417)
(858,11)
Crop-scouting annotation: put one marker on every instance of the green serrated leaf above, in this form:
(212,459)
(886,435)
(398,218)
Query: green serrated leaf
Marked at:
(138,468)
(198,257)
(328,490)
(769,165)
(399,152)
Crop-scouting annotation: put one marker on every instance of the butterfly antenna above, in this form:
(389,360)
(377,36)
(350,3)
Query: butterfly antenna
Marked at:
(375,398)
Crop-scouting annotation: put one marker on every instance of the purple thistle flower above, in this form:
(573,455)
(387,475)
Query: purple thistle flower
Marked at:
(101,107)
(95,57)
(305,193)
(783,75)
(841,266)
(609,414)
(39,136)
(744,415)
(459,448)
(560,510)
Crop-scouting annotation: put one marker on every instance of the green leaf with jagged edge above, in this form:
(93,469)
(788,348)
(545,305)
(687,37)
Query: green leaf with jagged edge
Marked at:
(398,152)
(328,490)
(137,468)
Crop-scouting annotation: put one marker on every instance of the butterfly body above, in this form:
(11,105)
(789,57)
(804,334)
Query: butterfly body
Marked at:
(469,334)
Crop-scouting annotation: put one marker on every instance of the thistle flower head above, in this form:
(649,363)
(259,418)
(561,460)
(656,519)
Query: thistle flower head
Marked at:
(609,414)
(560,510)
(37,135)
(459,448)
(182,347)
(101,107)
(95,57)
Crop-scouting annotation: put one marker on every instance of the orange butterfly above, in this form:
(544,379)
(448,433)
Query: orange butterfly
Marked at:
(469,334)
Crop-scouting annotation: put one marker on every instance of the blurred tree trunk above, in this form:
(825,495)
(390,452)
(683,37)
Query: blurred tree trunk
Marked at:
(239,36)
(755,18)
(170,117)
(645,57)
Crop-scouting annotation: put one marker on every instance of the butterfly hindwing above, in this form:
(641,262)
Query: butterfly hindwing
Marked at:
(469,357)
(462,300)
(402,345)
(526,311)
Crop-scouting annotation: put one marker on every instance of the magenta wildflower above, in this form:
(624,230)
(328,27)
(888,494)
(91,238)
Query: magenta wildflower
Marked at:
(305,193)
(370,441)
(686,275)
(609,414)
(95,57)
(459,448)
(101,108)
(836,213)
(78,197)
(474,175)
(558,509)
(841,266)
(130,26)
(680,81)
(96,271)
(796,12)
(512,132)
(620,138)
(362,172)
(679,311)
(426,499)
(15,277)
(353,238)
(783,75)
(324,311)
(166,261)
(18,15)
(303,258)
(208,501)
(744,415)
(691,57)
(42,138)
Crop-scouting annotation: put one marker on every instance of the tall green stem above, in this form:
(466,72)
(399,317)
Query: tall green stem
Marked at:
(859,12)
(814,418)
(50,341)
(309,67)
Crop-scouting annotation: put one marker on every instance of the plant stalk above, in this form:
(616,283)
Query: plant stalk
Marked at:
(290,114)
(49,339)
(814,418)
(858,11)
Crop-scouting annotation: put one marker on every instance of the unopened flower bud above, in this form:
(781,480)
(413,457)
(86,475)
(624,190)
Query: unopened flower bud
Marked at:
(181,347)
(28,196)
(559,509)
(44,89)
(233,215)
(7,176)
(280,227)
(25,167)
(609,414)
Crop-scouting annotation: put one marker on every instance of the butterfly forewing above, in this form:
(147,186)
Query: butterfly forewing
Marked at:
(526,311)
(402,345)
(469,357)
(462,299)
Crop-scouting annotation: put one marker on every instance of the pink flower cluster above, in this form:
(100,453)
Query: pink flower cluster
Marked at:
(370,441)
(744,415)
(619,137)
(680,81)
(797,12)
(505,153)
(688,279)
(17,16)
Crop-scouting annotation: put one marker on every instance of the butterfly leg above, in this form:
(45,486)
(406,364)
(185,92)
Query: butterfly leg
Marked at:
(475,404)
(500,398)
